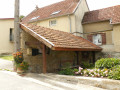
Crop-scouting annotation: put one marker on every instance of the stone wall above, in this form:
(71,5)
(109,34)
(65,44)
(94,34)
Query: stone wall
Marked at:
(55,59)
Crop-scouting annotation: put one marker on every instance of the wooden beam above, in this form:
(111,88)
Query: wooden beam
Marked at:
(44,59)
(32,43)
(75,49)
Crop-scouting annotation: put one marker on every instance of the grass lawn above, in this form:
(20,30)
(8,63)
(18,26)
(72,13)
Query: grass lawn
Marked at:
(10,57)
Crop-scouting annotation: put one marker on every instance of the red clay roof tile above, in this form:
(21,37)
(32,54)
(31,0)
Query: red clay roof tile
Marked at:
(59,39)
(65,7)
(110,13)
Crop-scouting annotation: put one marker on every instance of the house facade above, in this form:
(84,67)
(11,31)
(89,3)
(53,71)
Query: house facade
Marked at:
(102,27)
(6,35)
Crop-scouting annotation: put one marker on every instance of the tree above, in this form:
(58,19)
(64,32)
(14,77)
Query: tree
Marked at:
(16,27)
(21,17)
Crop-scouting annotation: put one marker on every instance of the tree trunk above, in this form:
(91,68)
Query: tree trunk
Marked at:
(16,27)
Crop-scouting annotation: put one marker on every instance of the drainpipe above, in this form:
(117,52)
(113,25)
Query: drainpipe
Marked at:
(70,23)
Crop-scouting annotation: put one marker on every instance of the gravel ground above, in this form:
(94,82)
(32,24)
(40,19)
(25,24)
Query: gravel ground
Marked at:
(5,64)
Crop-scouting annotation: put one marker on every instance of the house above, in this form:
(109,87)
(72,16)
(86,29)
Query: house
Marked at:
(48,50)
(64,16)
(102,27)
(6,35)
(46,39)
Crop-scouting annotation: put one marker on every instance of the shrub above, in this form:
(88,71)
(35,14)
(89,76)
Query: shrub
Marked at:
(115,73)
(24,66)
(87,65)
(107,63)
(68,71)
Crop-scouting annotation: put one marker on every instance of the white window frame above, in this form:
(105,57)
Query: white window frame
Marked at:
(52,24)
(97,39)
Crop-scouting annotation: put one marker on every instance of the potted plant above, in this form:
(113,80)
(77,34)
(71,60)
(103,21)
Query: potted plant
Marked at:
(20,65)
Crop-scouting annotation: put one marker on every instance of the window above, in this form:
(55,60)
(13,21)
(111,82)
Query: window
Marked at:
(97,39)
(11,34)
(36,52)
(52,22)
(54,13)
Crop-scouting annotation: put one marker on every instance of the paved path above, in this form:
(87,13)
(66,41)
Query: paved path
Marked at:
(11,81)
(5,64)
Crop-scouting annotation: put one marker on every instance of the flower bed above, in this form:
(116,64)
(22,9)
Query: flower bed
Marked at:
(93,72)
(104,68)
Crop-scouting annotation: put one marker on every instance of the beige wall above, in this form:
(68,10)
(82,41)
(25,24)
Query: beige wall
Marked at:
(116,37)
(5,45)
(100,26)
(79,16)
(63,23)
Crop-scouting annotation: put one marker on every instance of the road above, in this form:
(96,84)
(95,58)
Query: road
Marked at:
(15,82)
(5,64)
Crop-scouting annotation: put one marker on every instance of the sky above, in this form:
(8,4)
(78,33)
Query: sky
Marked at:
(27,6)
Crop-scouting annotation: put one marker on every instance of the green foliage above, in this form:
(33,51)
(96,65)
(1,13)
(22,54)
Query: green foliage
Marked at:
(87,65)
(10,57)
(107,63)
(24,66)
(115,73)
(21,17)
(68,71)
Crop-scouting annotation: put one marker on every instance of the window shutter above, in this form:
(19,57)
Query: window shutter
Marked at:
(103,38)
(90,37)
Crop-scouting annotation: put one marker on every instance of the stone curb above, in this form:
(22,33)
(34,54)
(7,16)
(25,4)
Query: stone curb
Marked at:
(95,82)
(100,82)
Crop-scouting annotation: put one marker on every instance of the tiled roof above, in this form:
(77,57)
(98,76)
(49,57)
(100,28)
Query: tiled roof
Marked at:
(6,18)
(64,7)
(110,13)
(55,39)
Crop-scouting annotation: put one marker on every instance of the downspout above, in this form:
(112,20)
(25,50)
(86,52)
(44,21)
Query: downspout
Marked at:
(70,23)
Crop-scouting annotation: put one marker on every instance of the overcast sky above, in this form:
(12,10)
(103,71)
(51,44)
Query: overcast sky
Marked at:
(26,6)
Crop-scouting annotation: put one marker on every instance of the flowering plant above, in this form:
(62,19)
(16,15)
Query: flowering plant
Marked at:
(18,57)
(23,66)
(93,72)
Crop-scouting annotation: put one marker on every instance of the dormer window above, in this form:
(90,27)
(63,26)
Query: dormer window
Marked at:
(54,13)
(34,18)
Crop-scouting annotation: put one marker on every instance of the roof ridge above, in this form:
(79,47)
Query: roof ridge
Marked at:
(102,8)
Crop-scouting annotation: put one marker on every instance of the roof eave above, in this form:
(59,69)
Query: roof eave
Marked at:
(75,49)
(96,21)
(115,23)
(50,18)
(77,6)
(46,42)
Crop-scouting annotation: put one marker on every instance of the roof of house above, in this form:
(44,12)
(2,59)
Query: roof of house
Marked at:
(59,40)
(111,13)
(6,18)
(58,9)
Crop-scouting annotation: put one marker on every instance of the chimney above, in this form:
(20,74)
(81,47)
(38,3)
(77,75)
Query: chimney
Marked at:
(37,7)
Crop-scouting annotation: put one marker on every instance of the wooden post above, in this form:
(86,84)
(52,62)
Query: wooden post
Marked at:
(44,59)
(93,56)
